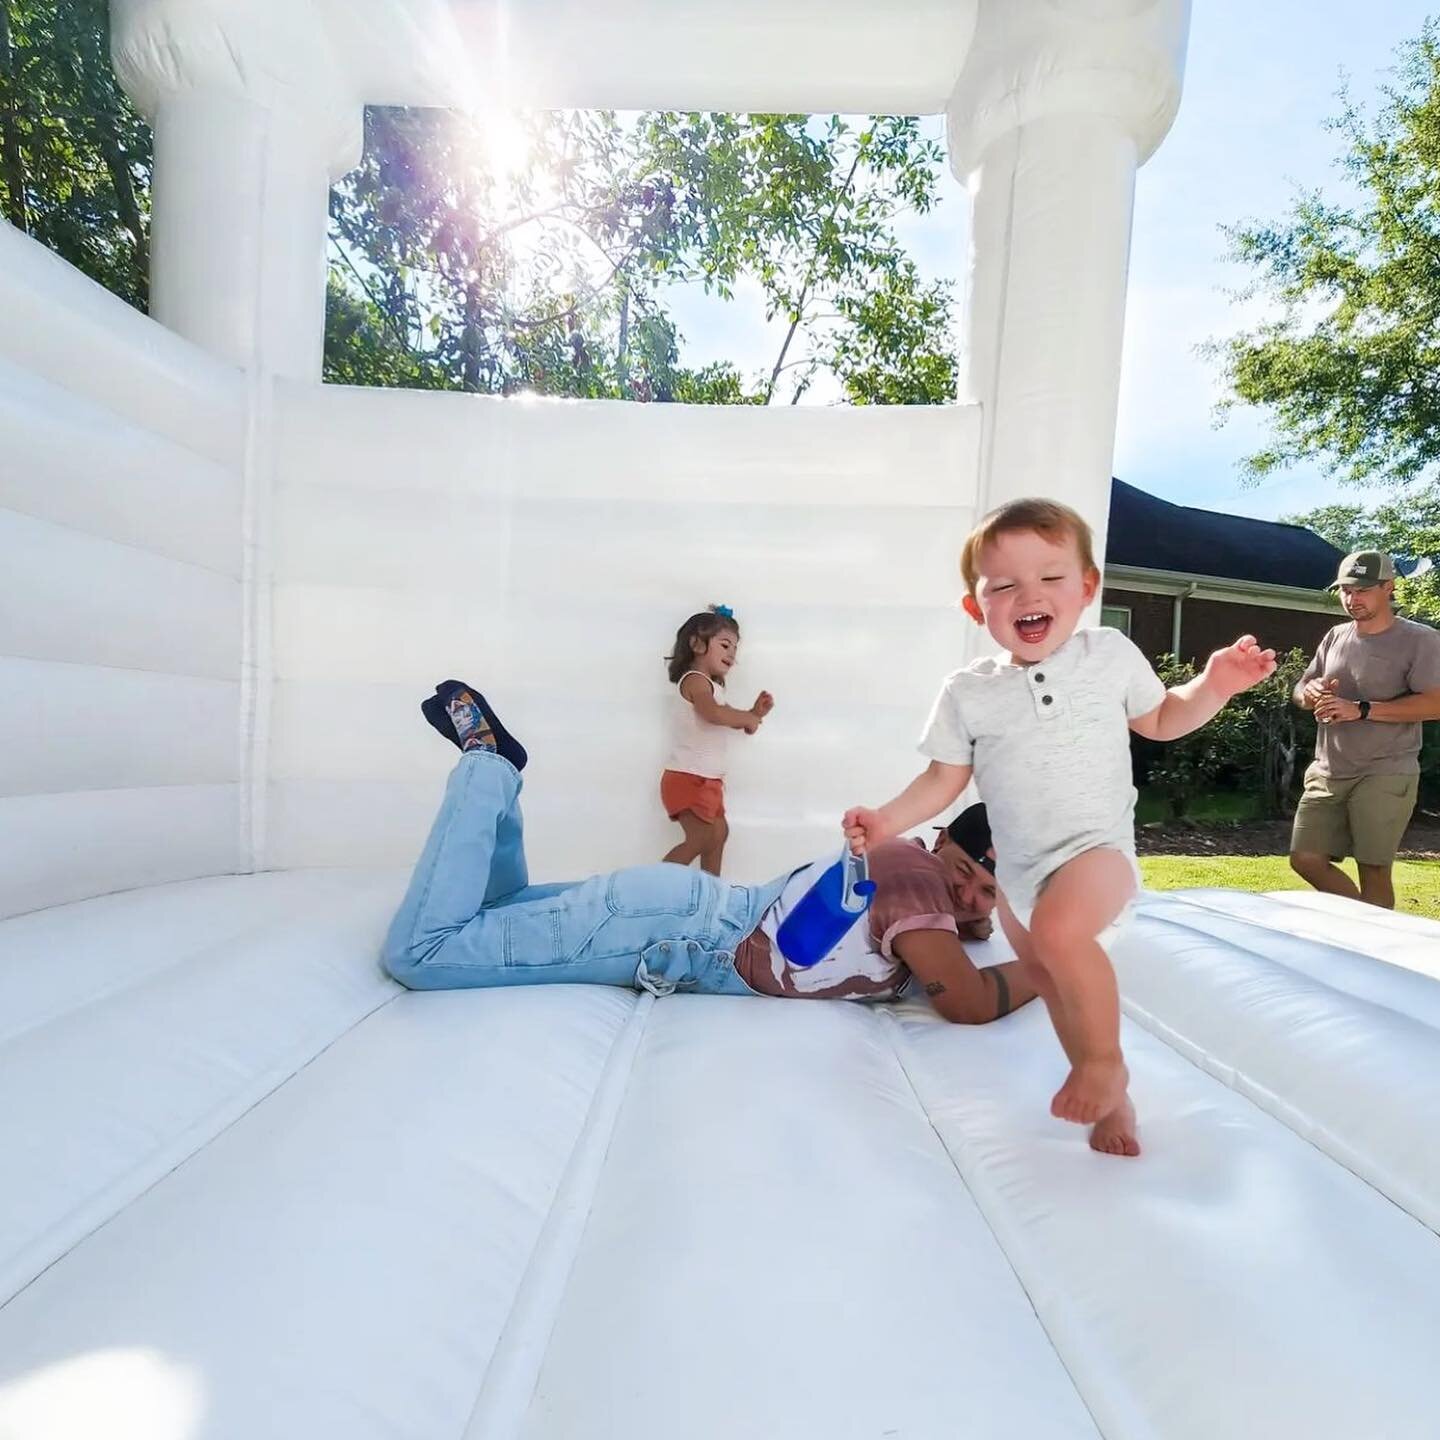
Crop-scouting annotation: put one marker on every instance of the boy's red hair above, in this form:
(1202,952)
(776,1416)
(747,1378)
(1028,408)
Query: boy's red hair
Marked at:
(1056,522)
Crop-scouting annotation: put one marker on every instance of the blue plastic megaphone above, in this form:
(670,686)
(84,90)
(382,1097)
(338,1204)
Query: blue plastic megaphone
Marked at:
(825,912)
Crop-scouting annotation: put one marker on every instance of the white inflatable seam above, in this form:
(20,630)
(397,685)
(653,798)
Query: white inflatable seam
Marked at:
(131,982)
(256,619)
(1383,1180)
(1279,960)
(110,540)
(80,789)
(990,411)
(900,1045)
(124,669)
(73,1228)
(1274,921)
(1271,926)
(505,1392)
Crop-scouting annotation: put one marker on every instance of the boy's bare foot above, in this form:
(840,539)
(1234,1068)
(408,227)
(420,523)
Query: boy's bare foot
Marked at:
(1115,1134)
(1094,1088)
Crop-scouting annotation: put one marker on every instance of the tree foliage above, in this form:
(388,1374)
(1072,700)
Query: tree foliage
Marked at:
(497,252)
(74,156)
(536,252)
(1255,744)
(1348,366)
(1407,527)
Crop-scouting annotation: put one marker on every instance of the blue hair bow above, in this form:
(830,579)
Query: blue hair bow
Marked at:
(724,610)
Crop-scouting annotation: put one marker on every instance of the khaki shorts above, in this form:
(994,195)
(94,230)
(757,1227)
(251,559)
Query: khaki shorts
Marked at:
(1364,817)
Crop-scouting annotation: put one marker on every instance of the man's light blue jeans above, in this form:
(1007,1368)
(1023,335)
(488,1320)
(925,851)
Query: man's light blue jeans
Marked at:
(470,917)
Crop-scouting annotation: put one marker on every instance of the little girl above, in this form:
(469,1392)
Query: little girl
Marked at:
(692,787)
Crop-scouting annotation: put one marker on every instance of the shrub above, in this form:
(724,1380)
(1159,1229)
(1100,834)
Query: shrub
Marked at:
(1260,743)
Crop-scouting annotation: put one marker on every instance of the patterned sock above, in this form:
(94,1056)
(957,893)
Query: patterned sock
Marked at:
(471,727)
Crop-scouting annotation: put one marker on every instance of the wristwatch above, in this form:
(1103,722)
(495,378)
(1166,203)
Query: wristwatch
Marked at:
(1364,709)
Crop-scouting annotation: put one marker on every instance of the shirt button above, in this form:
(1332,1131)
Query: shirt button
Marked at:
(1039,679)
(1047,699)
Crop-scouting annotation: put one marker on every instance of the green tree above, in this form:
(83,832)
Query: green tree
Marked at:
(896,347)
(1254,745)
(1407,527)
(545,266)
(541,262)
(74,155)
(806,207)
(1347,364)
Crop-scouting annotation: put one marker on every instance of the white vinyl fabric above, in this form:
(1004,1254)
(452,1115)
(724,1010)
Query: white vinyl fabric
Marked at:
(227,587)
(250,1189)
(121,648)
(547,552)
(257,1189)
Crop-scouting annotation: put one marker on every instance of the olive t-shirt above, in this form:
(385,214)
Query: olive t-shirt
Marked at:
(1403,659)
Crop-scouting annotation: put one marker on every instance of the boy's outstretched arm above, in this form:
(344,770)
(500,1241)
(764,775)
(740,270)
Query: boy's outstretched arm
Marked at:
(935,787)
(1189,706)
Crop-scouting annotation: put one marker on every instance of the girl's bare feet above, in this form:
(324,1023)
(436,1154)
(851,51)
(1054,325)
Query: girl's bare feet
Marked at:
(1116,1133)
(1094,1088)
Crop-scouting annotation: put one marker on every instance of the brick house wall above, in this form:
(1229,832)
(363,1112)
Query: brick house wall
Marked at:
(1206,625)
(1151,618)
(1209,624)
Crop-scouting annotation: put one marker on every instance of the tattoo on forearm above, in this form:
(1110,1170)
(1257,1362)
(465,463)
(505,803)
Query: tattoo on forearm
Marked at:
(934,988)
(1002,993)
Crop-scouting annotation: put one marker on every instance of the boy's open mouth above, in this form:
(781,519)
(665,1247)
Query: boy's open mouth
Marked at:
(1033,628)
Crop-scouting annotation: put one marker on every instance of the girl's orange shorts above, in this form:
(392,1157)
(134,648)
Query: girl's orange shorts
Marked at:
(680,791)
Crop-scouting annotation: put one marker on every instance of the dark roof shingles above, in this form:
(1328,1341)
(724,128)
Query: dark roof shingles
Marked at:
(1152,533)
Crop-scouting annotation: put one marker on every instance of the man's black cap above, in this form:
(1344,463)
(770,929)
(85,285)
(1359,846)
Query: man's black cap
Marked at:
(970,830)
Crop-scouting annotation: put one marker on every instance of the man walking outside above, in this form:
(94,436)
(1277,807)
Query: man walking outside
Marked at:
(1371,683)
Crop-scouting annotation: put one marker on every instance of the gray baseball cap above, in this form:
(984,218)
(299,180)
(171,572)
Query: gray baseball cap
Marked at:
(1364,569)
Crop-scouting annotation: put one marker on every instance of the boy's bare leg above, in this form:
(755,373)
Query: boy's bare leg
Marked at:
(1112,1134)
(1078,902)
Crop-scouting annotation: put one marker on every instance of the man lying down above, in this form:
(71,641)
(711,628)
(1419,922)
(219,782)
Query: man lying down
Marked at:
(471,918)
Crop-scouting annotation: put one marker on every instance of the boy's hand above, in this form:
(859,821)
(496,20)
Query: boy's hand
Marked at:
(1316,690)
(751,726)
(764,704)
(1239,666)
(865,829)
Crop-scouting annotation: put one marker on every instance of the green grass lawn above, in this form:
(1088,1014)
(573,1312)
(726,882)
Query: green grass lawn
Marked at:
(1417,882)
(1218,805)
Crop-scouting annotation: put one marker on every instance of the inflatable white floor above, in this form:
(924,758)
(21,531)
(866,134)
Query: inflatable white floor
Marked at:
(255,1189)
(252,1190)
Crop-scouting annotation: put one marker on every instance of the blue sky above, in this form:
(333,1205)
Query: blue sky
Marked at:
(1261,80)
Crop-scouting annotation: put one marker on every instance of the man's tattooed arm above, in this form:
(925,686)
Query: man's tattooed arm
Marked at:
(1001,987)
(992,979)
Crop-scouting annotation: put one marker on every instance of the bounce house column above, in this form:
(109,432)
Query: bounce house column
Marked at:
(240,220)
(1055,110)
(251,126)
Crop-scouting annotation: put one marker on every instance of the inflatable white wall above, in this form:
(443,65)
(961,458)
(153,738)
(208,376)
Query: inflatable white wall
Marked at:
(227,587)
(253,1187)
(547,551)
(121,607)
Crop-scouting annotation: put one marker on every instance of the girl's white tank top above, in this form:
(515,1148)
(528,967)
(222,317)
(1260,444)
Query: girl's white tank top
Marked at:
(696,746)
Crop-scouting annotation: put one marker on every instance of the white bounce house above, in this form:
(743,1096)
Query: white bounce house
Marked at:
(251,1189)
